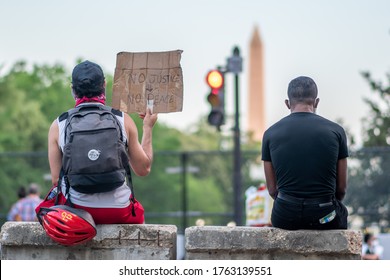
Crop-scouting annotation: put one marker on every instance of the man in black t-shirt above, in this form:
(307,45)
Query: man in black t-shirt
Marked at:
(305,164)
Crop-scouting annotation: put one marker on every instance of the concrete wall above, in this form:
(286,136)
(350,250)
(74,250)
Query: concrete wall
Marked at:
(266,243)
(28,240)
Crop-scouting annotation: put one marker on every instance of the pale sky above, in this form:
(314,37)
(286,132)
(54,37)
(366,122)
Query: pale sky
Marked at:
(330,41)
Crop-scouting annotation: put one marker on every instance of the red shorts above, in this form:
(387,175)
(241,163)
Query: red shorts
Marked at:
(102,215)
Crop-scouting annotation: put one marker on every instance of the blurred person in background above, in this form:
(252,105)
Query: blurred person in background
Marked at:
(24,209)
(371,249)
(21,192)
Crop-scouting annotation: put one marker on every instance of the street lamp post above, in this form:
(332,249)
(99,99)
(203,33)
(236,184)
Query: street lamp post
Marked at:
(215,79)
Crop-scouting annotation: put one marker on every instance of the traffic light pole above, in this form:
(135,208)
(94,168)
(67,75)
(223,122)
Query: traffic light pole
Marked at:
(237,152)
(215,79)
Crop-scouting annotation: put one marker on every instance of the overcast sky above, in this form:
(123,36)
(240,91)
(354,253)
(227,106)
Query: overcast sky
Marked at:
(332,41)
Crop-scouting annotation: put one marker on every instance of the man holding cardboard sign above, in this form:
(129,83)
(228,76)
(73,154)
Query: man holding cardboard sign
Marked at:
(91,149)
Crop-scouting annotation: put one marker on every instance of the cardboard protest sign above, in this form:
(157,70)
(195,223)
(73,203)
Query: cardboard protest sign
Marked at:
(153,79)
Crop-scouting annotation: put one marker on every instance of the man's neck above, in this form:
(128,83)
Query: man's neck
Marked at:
(302,108)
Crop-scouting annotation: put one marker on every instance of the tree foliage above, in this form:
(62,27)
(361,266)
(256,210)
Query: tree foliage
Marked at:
(377,124)
(30,100)
(369,192)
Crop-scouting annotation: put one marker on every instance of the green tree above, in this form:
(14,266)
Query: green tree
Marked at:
(369,193)
(30,99)
(21,119)
(377,124)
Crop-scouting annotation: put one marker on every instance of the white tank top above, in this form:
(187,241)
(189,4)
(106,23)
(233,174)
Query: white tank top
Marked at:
(118,198)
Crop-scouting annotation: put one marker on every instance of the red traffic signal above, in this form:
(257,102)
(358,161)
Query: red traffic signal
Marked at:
(215,80)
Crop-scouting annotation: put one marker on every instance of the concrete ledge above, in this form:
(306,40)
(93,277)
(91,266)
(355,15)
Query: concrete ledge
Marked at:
(28,240)
(267,243)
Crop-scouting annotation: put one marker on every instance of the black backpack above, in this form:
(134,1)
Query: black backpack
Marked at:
(95,157)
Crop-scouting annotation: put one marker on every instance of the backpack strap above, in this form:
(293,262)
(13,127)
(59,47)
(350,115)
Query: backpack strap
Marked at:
(126,165)
(67,187)
(59,185)
(116,112)
(67,193)
(63,116)
(130,183)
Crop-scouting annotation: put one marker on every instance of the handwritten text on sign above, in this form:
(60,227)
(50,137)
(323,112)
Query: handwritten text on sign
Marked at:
(153,78)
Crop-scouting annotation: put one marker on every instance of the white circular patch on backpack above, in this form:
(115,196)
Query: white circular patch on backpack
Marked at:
(93,154)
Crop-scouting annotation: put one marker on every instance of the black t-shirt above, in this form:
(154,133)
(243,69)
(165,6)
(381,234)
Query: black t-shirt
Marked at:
(304,149)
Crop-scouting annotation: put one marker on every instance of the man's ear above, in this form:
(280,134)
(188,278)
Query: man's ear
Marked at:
(316,102)
(287,102)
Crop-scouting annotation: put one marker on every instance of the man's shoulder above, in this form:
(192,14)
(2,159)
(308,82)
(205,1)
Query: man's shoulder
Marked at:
(278,124)
(29,199)
(330,123)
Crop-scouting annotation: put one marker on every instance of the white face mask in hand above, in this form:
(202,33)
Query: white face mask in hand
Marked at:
(149,105)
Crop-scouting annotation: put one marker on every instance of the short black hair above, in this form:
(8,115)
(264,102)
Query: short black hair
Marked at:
(302,90)
(367,237)
(22,192)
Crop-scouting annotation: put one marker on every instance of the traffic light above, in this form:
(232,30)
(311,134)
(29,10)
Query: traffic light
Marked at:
(215,80)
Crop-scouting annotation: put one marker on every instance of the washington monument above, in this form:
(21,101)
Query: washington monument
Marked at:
(256,101)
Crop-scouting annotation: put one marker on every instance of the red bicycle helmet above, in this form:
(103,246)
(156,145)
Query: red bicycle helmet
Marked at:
(66,225)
